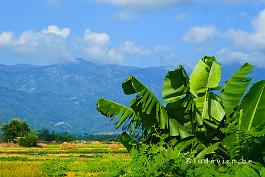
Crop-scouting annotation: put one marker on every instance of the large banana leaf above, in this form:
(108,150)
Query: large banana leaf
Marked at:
(128,141)
(148,107)
(253,106)
(210,107)
(177,129)
(115,110)
(206,75)
(176,84)
(146,101)
(235,88)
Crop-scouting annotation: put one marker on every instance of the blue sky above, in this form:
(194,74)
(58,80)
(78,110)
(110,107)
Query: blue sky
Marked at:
(132,32)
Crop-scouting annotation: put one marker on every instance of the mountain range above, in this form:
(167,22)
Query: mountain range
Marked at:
(63,96)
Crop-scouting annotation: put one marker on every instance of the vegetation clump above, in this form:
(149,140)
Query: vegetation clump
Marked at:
(14,129)
(18,131)
(202,118)
(30,140)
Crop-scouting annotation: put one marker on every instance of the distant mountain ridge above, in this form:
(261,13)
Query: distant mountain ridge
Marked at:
(62,97)
(62,94)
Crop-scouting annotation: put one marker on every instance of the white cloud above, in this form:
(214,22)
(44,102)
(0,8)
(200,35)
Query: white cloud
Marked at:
(199,34)
(102,54)
(53,29)
(54,44)
(235,55)
(43,46)
(255,40)
(5,37)
(126,15)
(96,46)
(146,4)
(131,48)
(96,38)
(105,53)
(246,46)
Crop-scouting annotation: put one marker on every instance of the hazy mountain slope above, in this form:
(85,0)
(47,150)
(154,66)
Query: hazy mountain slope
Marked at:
(63,97)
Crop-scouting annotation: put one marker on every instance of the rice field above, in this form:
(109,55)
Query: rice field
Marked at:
(67,159)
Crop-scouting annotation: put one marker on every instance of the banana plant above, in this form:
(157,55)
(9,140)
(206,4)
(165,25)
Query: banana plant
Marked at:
(193,114)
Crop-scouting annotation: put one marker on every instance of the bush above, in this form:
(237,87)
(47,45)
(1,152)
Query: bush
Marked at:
(30,140)
(163,160)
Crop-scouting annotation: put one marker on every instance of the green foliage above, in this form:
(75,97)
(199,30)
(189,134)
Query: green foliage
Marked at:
(14,129)
(240,80)
(202,123)
(244,144)
(30,140)
(109,108)
(47,136)
(164,159)
(206,75)
(253,107)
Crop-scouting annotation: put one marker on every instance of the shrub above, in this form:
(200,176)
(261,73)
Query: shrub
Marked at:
(30,140)
(163,160)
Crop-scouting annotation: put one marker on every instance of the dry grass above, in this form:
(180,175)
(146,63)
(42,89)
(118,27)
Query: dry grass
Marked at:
(20,169)
(42,145)
(9,145)
(113,147)
(95,142)
(28,162)
(66,145)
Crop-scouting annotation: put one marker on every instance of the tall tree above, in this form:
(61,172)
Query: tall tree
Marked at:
(14,129)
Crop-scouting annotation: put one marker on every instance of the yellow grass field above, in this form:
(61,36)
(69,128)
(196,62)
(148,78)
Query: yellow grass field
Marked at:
(67,159)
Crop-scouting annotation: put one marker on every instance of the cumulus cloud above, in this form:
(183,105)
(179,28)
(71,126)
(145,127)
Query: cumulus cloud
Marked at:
(146,4)
(5,37)
(97,46)
(235,55)
(53,29)
(247,46)
(46,46)
(96,38)
(255,40)
(199,34)
(54,44)
(131,48)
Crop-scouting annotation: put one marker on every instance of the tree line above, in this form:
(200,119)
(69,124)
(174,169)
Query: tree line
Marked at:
(18,131)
